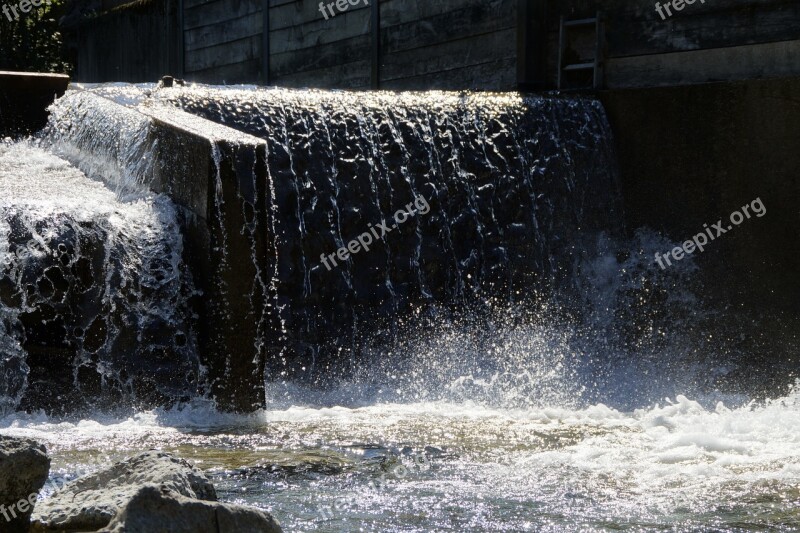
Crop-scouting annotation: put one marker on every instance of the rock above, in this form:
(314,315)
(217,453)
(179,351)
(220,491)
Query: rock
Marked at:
(24,466)
(155,509)
(91,502)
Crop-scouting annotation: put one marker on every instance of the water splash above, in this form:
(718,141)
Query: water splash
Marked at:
(515,184)
(108,142)
(94,296)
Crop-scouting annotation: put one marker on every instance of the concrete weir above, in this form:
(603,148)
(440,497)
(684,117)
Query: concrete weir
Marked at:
(214,173)
(24,97)
(504,186)
(202,166)
(507,184)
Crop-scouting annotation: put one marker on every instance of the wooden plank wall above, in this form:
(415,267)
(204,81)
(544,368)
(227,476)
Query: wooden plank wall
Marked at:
(714,40)
(222,40)
(449,44)
(442,44)
(437,44)
(135,44)
(308,51)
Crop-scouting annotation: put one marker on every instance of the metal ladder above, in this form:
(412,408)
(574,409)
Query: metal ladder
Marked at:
(596,65)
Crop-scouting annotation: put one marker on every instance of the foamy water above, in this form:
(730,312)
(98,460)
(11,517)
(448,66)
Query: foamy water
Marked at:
(609,419)
(95,271)
(677,465)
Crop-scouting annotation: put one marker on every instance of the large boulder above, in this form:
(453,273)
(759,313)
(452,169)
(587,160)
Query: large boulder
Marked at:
(155,509)
(91,502)
(24,466)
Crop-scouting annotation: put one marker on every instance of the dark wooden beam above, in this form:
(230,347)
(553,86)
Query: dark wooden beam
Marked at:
(265,48)
(180,42)
(532,45)
(375,25)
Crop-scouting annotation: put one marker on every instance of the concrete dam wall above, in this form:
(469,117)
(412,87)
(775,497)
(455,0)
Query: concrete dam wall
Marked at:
(466,198)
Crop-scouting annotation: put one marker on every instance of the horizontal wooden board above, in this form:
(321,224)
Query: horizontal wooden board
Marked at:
(480,49)
(217,11)
(396,12)
(321,32)
(223,54)
(345,76)
(231,30)
(496,76)
(474,20)
(244,72)
(320,57)
(299,13)
(196,3)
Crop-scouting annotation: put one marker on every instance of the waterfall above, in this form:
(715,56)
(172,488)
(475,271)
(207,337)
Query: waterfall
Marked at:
(94,295)
(315,225)
(514,185)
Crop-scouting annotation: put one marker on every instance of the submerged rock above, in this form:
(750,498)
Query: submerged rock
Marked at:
(157,509)
(24,466)
(91,502)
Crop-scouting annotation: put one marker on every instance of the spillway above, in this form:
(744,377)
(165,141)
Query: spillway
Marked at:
(378,311)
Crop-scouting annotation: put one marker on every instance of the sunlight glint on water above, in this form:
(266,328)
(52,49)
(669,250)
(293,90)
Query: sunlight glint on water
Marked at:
(608,418)
(319,469)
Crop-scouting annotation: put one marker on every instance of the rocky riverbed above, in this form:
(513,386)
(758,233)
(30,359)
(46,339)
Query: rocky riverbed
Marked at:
(151,491)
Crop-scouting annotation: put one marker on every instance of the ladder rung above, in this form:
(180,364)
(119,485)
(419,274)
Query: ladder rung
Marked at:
(597,24)
(580,66)
(580,22)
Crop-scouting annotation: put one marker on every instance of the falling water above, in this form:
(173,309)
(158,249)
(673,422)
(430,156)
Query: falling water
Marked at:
(515,361)
(514,185)
(93,291)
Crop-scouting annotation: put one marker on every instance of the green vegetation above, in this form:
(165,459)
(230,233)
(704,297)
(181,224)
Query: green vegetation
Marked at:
(33,42)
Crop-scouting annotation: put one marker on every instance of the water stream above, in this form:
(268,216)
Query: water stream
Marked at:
(578,387)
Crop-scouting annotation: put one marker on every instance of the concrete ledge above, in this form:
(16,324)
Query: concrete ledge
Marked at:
(24,98)
(202,166)
(218,175)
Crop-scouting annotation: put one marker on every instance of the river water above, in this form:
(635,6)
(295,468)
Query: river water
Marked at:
(622,403)
(680,465)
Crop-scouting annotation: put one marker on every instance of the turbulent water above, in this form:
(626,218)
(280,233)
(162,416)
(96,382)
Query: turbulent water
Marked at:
(681,465)
(514,422)
(510,185)
(93,293)
(620,400)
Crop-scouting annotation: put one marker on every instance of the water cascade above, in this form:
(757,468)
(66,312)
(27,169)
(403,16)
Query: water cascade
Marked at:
(376,311)
(512,185)
(499,192)
(93,291)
